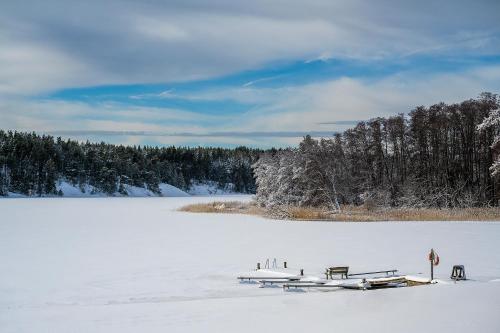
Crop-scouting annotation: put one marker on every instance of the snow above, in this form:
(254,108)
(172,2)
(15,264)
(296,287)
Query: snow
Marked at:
(266,273)
(15,195)
(72,191)
(168,190)
(418,278)
(209,188)
(139,265)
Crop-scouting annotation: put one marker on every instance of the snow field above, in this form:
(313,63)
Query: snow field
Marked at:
(137,264)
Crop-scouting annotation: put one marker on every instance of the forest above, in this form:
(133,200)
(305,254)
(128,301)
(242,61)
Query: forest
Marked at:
(444,155)
(437,156)
(32,164)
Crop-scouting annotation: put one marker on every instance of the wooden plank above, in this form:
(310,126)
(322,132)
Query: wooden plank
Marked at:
(339,269)
(344,286)
(310,285)
(413,283)
(291,278)
(393,271)
(263,281)
(385,282)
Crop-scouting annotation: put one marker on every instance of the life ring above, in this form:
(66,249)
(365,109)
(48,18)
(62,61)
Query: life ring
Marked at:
(434,258)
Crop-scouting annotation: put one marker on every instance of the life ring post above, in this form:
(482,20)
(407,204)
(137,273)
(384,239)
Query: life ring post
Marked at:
(434,260)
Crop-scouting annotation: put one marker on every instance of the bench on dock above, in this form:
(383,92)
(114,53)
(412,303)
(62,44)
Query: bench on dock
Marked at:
(339,270)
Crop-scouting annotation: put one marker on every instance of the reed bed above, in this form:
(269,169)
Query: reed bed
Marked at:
(348,213)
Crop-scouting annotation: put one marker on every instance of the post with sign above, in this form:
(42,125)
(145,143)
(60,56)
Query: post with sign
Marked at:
(434,259)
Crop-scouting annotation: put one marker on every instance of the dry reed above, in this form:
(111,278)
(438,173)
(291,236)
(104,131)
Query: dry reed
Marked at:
(349,213)
(229,207)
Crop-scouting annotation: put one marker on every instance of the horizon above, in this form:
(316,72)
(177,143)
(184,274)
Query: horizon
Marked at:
(107,137)
(233,74)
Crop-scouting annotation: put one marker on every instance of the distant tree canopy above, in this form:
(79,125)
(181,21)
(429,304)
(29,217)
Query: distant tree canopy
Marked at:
(492,123)
(434,157)
(32,164)
(438,156)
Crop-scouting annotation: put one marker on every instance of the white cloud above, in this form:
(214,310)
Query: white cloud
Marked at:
(55,44)
(302,108)
(28,68)
(50,115)
(161,30)
(51,45)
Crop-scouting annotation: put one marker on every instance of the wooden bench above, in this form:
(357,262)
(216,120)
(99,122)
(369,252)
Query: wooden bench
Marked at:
(340,270)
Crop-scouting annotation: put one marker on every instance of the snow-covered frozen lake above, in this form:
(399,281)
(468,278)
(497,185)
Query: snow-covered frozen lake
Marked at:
(138,265)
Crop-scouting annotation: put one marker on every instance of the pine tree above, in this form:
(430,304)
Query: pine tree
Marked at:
(50,177)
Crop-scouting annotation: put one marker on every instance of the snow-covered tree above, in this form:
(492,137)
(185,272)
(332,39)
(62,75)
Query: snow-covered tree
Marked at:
(318,174)
(297,177)
(493,122)
(434,157)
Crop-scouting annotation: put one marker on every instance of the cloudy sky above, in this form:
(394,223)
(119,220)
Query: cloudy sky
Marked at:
(259,73)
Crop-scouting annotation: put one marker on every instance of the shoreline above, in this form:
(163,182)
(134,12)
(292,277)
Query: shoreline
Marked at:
(349,213)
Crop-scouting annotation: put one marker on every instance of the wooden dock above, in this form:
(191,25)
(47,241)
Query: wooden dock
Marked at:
(266,278)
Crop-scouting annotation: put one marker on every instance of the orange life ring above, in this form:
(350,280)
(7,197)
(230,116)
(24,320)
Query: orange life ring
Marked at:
(434,257)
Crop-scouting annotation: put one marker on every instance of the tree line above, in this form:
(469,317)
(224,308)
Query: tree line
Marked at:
(32,164)
(436,156)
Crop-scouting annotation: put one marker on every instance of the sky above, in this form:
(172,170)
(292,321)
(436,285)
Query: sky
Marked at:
(228,73)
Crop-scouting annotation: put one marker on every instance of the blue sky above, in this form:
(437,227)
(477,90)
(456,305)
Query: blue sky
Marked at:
(177,94)
(261,74)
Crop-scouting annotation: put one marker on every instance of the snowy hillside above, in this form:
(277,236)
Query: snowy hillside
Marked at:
(72,191)
(138,265)
(166,190)
(207,188)
(210,188)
